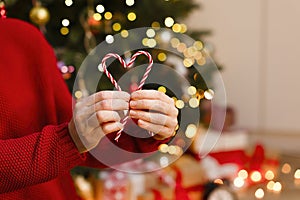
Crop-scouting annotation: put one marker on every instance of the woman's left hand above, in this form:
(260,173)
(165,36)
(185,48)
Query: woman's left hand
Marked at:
(155,112)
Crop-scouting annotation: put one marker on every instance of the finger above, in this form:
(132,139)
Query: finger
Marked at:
(155,118)
(111,127)
(103,95)
(151,94)
(103,116)
(111,104)
(159,130)
(154,105)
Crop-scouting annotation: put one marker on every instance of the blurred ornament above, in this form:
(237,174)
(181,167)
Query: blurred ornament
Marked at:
(94,24)
(39,14)
(2,10)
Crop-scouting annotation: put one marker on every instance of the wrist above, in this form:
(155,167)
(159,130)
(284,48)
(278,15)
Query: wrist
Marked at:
(75,137)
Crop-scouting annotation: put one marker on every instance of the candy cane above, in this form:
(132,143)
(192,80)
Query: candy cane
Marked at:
(129,65)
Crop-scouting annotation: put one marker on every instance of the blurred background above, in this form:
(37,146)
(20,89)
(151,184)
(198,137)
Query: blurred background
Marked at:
(254,44)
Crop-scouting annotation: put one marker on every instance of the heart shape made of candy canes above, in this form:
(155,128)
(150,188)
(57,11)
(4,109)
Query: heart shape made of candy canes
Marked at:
(128,65)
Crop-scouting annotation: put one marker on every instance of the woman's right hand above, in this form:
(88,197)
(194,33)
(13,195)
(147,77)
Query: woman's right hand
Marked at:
(96,116)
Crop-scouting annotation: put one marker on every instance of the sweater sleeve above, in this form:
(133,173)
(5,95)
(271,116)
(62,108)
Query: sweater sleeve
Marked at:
(47,155)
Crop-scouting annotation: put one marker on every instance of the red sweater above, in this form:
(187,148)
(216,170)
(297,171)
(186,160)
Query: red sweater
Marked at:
(36,151)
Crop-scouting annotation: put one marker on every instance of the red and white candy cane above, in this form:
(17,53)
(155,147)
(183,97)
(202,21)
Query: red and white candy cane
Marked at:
(128,65)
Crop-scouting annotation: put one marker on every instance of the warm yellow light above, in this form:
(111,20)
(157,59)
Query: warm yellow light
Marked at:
(175,42)
(286,168)
(169,21)
(259,193)
(162,89)
(124,33)
(297,174)
(181,47)
(151,43)
(270,185)
(97,16)
(150,33)
(161,57)
(172,150)
(100,8)
(191,131)
(175,99)
(277,187)
(219,181)
(65,22)
(68,2)
(191,90)
(163,148)
(192,51)
(238,182)
(145,41)
(116,26)
(131,16)
(183,28)
(269,175)
(201,61)
(155,25)
(198,45)
(64,31)
(255,176)
(176,28)
(243,174)
(78,94)
(179,104)
(108,15)
(194,103)
(198,55)
(209,94)
(188,62)
(129,2)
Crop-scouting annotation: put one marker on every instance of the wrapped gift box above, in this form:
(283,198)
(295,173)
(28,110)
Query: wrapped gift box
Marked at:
(192,174)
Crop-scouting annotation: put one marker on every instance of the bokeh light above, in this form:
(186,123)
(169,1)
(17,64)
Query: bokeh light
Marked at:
(243,174)
(269,175)
(108,15)
(259,193)
(255,176)
(129,2)
(100,8)
(124,33)
(65,22)
(238,182)
(169,21)
(131,16)
(286,168)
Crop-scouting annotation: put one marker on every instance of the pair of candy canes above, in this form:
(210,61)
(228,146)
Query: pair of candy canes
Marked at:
(126,65)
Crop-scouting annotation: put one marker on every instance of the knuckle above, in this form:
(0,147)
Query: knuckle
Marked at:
(105,104)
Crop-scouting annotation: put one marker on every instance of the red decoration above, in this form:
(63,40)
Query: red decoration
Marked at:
(2,10)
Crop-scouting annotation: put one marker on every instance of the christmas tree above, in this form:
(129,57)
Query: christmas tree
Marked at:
(73,28)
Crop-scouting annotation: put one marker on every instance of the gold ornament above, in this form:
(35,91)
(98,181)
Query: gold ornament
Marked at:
(39,15)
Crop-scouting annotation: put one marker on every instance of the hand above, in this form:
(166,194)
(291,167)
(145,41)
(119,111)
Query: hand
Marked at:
(96,116)
(155,112)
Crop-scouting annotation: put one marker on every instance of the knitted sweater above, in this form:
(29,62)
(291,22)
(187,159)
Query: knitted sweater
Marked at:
(36,150)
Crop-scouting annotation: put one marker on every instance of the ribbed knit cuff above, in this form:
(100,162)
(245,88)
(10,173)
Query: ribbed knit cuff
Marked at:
(68,148)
